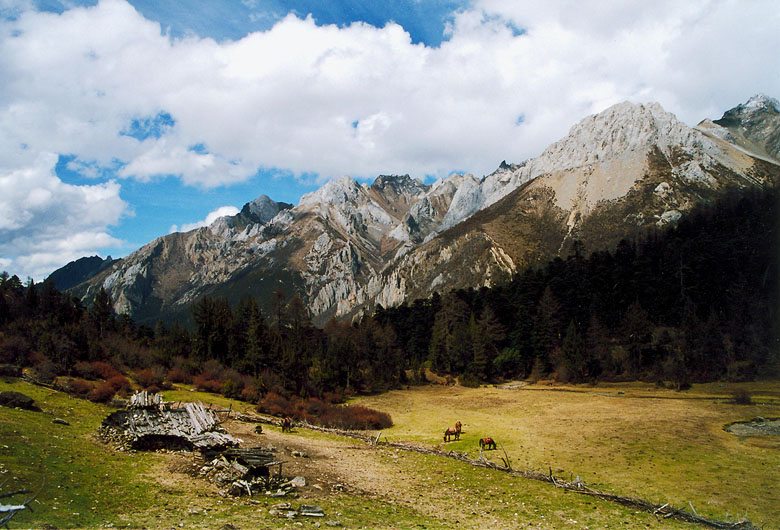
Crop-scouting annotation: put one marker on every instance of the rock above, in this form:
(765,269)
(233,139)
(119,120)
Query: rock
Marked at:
(299,454)
(258,429)
(311,511)
(333,523)
(298,482)
(60,421)
(10,398)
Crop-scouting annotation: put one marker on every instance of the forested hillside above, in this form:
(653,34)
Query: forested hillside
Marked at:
(697,302)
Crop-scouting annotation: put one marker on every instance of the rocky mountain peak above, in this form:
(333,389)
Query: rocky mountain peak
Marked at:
(754,125)
(398,185)
(621,132)
(335,192)
(610,133)
(262,209)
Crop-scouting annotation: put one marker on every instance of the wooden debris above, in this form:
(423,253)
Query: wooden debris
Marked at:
(245,470)
(150,423)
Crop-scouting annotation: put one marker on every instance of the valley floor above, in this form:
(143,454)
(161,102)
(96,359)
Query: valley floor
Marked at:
(629,439)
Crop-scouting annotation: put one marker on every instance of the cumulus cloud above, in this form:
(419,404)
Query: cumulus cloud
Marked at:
(45,223)
(108,87)
(222,211)
(362,100)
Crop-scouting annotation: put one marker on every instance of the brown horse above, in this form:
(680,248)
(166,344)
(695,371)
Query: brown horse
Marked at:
(487,443)
(287,424)
(450,432)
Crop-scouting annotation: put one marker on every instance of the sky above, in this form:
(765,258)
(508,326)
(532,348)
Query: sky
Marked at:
(124,120)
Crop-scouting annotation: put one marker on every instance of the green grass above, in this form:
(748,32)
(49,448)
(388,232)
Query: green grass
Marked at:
(664,450)
(657,444)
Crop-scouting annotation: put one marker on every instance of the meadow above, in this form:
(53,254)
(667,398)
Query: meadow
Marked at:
(630,439)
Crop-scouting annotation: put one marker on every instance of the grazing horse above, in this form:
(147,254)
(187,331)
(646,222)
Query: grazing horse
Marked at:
(452,432)
(287,424)
(487,443)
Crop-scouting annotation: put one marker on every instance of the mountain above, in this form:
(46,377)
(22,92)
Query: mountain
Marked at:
(78,271)
(755,126)
(348,246)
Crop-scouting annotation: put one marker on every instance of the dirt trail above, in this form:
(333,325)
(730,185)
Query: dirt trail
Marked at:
(372,472)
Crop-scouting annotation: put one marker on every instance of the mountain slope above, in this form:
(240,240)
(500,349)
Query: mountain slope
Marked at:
(347,246)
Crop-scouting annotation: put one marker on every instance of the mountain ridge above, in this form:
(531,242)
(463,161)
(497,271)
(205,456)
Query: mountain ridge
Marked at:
(347,247)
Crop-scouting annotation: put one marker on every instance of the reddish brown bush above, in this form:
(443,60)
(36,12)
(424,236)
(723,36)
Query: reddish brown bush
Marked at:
(177,375)
(152,377)
(101,393)
(204,383)
(120,384)
(333,397)
(321,413)
(95,370)
(80,387)
(275,405)
(250,395)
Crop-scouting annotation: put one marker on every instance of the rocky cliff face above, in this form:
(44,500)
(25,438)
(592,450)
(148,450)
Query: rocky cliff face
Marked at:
(348,246)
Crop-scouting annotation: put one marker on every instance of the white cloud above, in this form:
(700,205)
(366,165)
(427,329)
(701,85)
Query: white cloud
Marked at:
(288,97)
(357,100)
(44,223)
(222,211)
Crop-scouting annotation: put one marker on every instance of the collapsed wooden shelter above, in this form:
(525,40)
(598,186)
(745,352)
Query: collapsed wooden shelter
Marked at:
(148,422)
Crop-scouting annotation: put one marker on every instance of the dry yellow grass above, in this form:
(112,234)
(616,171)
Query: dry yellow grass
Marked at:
(654,443)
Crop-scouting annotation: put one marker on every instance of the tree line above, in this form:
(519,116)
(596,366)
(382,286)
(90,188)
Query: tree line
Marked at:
(697,302)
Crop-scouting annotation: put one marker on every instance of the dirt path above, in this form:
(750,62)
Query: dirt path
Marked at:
(331,467)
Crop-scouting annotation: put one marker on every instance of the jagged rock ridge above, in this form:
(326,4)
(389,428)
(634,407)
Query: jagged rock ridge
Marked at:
(349,246)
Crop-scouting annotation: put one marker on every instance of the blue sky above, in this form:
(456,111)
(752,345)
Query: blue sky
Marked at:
(222,20)
(122,120)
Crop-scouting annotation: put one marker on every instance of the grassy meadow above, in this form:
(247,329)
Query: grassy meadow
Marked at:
(632,439)
(657,444)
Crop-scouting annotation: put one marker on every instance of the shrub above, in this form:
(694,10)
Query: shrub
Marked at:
(275,404)
(231,388)
(250,395)
(95,370)
(319,412)
(742,397)
(152,377)
(469,380)
(333,397)
(80,387)
(177,375)
(204,383)
(101,393)
(120,384)
(14,349)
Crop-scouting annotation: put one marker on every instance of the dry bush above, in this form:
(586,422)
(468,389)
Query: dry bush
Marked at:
(177,375)
(120,384)
(319,412)
(102,393)
(275,405)
(152,377)
(204,383)
(250,395)
(95,370)
(80,387)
